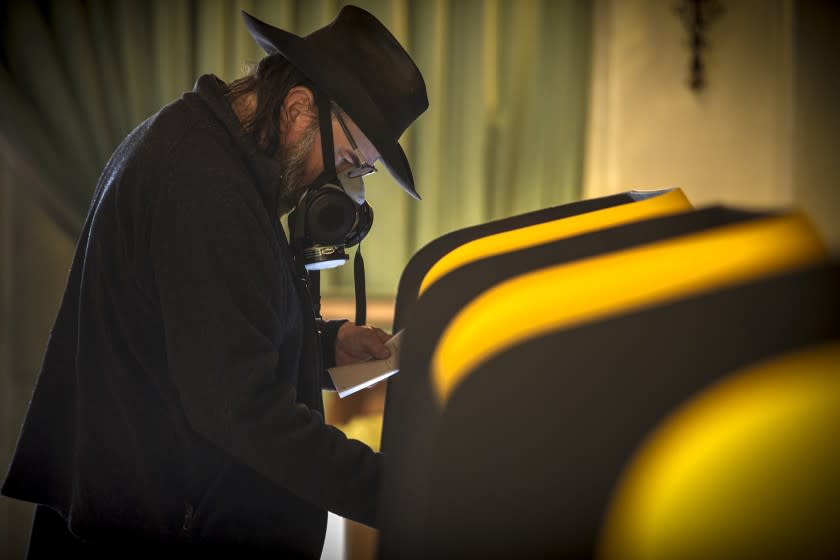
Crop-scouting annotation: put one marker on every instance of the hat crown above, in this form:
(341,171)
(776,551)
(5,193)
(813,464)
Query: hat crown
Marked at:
(365,48)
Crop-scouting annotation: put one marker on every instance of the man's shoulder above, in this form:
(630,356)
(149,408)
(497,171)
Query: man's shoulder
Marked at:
(204,166)
(182,140)
(185,125)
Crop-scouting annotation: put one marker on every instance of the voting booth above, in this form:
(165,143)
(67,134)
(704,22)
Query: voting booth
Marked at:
(467,245)
(555,396)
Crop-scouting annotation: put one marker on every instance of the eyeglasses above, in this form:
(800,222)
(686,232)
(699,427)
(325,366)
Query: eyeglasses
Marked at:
(361,167)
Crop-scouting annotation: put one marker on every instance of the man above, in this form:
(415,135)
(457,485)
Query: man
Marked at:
(178,407)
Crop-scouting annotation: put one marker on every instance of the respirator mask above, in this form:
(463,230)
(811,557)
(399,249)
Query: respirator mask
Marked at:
(332,215)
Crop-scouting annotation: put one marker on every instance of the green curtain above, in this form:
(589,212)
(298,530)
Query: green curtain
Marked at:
(504,134)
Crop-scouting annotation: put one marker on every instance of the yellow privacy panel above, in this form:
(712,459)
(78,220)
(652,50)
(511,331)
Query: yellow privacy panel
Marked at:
(568,294)
(670,202)
(748,469)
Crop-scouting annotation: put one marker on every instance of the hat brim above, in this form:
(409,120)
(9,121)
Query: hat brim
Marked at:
(344,88)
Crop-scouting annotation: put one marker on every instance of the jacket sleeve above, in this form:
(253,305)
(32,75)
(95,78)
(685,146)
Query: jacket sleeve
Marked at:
(218,274)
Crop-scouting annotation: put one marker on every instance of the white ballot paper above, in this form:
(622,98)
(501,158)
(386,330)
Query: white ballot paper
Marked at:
(354,377)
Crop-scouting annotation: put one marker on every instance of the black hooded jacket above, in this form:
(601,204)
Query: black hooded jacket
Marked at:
(179,399)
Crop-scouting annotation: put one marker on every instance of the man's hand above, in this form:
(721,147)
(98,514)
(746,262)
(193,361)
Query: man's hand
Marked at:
(359,343)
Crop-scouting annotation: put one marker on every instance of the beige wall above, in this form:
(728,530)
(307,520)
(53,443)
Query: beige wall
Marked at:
(740,141)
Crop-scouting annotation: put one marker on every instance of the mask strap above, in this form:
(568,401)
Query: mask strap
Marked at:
(325,118)
(327,152)
(359,282)
(315,291)
(325,123)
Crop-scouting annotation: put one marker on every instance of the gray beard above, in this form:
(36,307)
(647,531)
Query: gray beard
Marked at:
(293,163)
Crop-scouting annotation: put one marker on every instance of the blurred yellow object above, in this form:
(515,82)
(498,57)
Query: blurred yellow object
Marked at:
(671,202)
(365,428)
(750,468)
(585,290)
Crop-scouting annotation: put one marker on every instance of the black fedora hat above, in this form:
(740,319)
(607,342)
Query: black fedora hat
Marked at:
(359,64)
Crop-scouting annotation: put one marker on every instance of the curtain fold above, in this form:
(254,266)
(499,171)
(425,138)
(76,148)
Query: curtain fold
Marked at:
(504,134)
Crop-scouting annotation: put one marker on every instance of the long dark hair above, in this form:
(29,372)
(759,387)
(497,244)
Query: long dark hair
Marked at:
(271,80)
